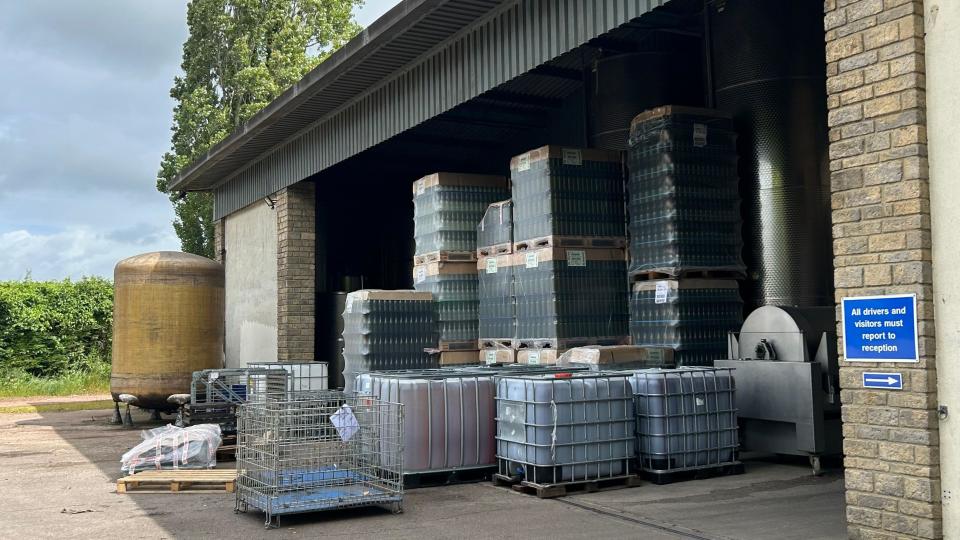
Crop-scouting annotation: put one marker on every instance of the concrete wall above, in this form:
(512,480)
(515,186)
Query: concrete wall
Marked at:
(942,21)
(882,245)
(250,256)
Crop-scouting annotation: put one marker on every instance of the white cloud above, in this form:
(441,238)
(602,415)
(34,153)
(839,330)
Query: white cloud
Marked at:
(77,251)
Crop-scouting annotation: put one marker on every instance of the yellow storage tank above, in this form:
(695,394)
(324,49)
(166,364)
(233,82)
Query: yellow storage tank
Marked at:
(168,317)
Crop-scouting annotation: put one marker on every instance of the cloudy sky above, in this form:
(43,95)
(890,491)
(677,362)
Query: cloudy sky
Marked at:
(84,118)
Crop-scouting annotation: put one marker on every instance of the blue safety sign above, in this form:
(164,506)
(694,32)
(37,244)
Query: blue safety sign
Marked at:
(880,328)
(887,381)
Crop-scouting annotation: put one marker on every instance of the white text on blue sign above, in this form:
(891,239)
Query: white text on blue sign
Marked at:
(886,381)
(880,328)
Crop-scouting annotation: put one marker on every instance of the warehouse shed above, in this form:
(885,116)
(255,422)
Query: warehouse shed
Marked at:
(831,100)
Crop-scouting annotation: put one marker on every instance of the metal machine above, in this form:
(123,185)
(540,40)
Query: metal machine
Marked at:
(787,374)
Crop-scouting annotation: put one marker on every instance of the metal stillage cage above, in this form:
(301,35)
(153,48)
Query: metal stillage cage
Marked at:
(326,451)
(686,418)
(216,393)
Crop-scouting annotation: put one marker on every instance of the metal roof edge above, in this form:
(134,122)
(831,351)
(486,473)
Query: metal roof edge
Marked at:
(381,31)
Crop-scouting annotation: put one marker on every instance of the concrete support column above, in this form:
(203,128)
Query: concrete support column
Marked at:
(942,21)
(876,95)
(296,272)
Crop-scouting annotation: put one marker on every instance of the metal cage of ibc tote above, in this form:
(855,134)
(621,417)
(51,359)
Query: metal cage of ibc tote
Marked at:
(323,451)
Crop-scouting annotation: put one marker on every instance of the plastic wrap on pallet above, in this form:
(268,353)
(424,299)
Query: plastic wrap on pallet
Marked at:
(454,290)
(388,330)
(686,418)
(496,227)
(571,293)
(567,427)
(691,316)
(497,301)
(683,192)
(447,208)
(567,192)
(172,447)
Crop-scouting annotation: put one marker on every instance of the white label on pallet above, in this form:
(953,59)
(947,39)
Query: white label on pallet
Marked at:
(572,156)
(533,358)
(490,356)
(523,163)
(492,265)
(663,288)
(421,274)
(655,355)
(699,135)
(576,257)
(532,260)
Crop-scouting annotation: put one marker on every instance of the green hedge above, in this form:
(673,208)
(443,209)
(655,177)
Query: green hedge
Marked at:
(49,328)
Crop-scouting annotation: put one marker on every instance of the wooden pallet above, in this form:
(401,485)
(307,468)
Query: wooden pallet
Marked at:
(181,480)
(703,273)
(499,249)
(669,477)
(498,343)
(445,256)
(550,491)
(444,478)
(562,344)
(465,345)
(596,242)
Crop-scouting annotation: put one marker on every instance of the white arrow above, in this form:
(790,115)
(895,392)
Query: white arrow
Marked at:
(889,380)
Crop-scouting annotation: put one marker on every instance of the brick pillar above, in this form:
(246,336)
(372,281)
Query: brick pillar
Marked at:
(881,244)
(296,246)
(218,252)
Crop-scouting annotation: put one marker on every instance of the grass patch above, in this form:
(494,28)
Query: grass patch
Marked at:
(92,379)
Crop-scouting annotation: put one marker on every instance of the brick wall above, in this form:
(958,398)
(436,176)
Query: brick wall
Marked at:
(881,243)
(296,246)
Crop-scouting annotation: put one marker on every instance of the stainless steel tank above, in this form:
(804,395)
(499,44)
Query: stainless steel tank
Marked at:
(769,73)
(168,321)
(625,85)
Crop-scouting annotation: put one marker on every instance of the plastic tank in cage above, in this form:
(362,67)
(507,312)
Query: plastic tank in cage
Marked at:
(454,289)
(683,194)
(567,192)
(565,294)
(302,377)
(691,316)
(564,427)
(686,418)
(448,206)
(388,330)
(495,231)
(450,416)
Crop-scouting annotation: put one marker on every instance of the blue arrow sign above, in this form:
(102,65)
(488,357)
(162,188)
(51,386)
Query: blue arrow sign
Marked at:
(887,381)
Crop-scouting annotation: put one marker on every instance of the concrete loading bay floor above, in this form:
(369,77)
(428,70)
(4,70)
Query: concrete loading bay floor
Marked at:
(58,472)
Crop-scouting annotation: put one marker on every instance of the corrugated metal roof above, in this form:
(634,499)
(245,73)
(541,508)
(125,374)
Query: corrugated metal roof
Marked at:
(432,57)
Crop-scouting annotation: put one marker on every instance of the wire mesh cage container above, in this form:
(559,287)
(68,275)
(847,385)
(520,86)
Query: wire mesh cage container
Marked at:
(686,418)
(302,377)
(327,451)
(564,427)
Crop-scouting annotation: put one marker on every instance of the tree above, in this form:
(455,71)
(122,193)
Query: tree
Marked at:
(239,56)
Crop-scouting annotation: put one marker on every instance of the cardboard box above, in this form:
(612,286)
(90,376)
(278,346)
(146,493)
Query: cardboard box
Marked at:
(458,179)
(618,357)
(498,356)
(458,358)
(569,155)
(538,357)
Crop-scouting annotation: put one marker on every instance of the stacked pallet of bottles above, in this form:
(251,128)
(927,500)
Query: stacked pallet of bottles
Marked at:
(684,226)
(495,267)
(387,330)
(569,239)
(447,209)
